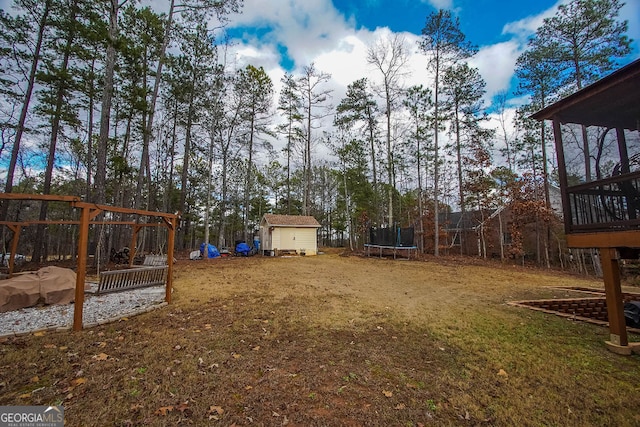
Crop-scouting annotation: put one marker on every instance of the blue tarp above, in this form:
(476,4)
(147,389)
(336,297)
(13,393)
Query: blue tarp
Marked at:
(243,249)
(212,251)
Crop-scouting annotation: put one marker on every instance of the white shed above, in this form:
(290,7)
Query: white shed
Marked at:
(281,234)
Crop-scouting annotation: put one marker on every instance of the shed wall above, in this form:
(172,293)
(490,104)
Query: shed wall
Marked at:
(290,238)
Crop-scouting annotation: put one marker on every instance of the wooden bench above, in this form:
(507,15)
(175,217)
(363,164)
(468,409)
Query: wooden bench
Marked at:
(131,278)
(154,260)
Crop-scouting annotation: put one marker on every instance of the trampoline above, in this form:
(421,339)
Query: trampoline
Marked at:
(382,250)
(390,241)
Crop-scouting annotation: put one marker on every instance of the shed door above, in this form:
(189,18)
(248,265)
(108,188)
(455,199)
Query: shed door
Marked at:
(288,238)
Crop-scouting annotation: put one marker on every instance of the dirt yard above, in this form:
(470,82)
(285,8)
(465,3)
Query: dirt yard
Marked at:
(334,340)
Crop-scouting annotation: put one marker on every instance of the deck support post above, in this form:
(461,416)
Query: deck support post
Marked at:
(618,341)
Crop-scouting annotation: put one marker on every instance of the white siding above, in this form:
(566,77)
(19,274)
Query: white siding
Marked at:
(290,238)
(275,238)
(306,238)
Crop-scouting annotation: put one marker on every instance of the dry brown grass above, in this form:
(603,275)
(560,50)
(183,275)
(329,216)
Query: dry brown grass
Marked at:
(334,341)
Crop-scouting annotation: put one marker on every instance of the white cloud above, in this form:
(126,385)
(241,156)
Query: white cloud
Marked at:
(440,4)
(525,27)
(305,28)
(496,64)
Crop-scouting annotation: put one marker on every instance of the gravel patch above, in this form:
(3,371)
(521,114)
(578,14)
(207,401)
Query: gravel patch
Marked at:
(98,309)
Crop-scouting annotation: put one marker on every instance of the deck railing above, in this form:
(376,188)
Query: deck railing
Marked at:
(610,204)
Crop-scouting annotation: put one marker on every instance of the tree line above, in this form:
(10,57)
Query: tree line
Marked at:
(126,106)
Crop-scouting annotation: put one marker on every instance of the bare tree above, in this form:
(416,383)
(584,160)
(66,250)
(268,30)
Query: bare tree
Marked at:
(314,108)
(390,56)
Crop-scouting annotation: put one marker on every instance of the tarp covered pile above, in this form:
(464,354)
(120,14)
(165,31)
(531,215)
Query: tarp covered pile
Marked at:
(49,285)
(211,252)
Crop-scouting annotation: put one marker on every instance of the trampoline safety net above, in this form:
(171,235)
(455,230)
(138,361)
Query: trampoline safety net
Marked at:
(391,236)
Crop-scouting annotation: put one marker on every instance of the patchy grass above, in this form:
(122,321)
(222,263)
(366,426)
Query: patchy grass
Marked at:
(333,341)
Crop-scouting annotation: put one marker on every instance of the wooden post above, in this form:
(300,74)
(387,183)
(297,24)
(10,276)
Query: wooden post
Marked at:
(171,226)
(81,270)
(562,176)
(14,246)
(615,309)
(133,245)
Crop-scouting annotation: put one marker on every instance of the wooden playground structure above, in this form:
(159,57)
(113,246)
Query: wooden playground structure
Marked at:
(86,216)
(597,141)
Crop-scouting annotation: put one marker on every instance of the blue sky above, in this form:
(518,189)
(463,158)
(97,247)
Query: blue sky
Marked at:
(285,35)
(481,20)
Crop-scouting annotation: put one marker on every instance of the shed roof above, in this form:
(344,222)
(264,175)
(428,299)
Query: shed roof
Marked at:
(290,220)
(610,102)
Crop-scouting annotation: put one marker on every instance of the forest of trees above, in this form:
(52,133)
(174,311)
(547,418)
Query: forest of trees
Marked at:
(125,106)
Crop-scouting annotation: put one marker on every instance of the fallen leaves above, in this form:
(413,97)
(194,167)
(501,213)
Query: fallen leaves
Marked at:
(215,412)
(78,381)
(387,393)
(101,357)
(182,407)
(164,410)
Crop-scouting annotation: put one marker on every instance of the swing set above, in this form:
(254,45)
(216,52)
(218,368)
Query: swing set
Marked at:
(85,215)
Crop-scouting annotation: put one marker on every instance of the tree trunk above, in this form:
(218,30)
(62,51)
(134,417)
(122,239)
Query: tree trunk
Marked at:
(42,25)
(223,202)
(372,141)
(144,158)
(105,113)
(436,237)
(501,234)
(289,144)
(40,248)
(459,164)
(248,183)
(307,162)
(208,204)
(389,159)
(185,179)
(156,86)
(89,158)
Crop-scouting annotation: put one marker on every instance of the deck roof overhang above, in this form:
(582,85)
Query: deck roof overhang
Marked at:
(612,102)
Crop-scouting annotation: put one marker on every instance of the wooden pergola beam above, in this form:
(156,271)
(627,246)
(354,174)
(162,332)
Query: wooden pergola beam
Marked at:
(75,222)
